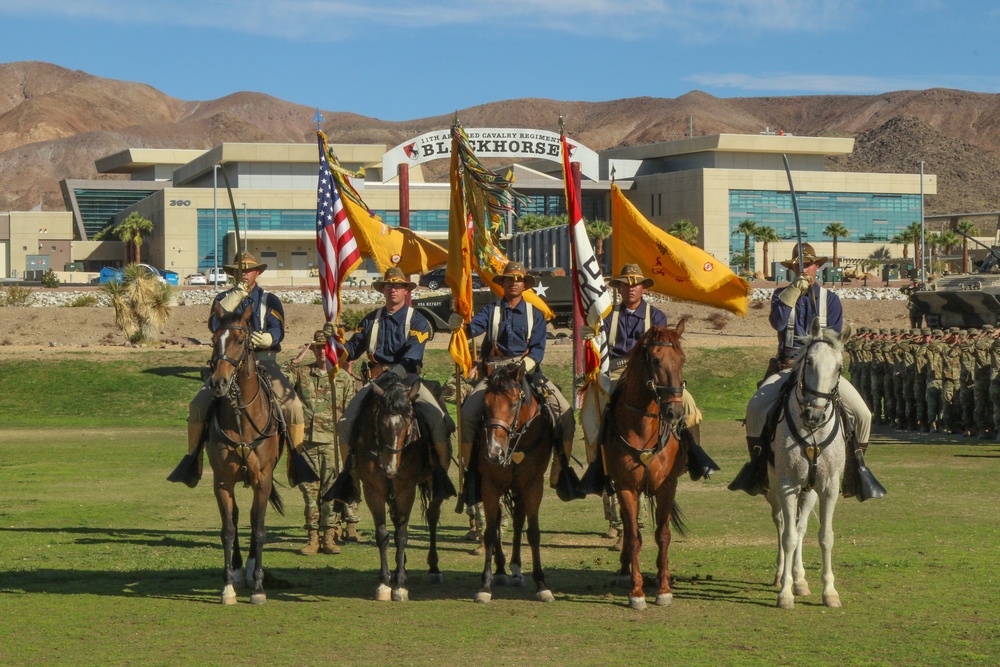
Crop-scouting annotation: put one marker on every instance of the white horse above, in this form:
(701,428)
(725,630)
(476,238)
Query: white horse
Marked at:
(810,449)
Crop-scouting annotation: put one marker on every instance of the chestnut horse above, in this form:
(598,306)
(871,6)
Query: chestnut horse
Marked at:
(244,443)
(513,452)
(643,452)
(393,457)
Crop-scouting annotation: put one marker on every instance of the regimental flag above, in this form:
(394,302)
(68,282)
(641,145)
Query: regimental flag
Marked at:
(458,274)
(335,246)
(487,198)
(678,270)
(592,296)
(386,246)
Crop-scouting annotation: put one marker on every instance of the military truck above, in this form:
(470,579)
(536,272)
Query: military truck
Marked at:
(963,300)
(557,291)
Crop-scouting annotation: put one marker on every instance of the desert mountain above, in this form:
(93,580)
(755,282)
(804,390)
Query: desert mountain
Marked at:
(54,123)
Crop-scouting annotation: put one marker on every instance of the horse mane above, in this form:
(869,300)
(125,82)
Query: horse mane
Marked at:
(395,400)
(654,333)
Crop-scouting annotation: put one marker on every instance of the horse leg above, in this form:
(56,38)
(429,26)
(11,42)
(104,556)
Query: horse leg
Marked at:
(774,501)
(500,577)
(516,576)
(827,503)
(665,496)
(799,584)
(405,495)
(530,502)
(628,505)
(789,497)
(491,536)
(375,499)
(224,498)
(434,575)
(262,491)
(237,553)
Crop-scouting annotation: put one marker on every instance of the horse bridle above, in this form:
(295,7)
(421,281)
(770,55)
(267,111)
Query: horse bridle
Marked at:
(513,432)
(801,390)
(812,450)
(673,394)
(408,437)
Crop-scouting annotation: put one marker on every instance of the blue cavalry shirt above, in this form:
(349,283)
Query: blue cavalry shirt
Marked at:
(395,343)
(805,311)
(512,336)
(631,326)
(274,315)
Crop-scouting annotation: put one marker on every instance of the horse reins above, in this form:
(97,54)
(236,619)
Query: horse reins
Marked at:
(801,390)
(513,436)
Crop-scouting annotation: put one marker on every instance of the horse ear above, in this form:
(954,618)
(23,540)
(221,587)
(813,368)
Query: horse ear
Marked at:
(846,333)
(814,328)
(413,391)
(217,310)
(520,371)
(680,325)
(247,314)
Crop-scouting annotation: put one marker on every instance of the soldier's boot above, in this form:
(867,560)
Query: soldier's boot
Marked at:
(299,469)
(312,546)
(614,532)
(441,485)
(473,534)
(351,532)
(858,480)
(619,543)
(330,542)
(752,478)
(984,434)
(189,470)
(563,477)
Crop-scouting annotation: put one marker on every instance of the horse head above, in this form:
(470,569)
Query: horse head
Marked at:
(393,419)
(509,408)
(230,349)
(659,353)
(817,368)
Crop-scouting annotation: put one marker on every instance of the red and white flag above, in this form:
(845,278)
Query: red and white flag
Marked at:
(336,249)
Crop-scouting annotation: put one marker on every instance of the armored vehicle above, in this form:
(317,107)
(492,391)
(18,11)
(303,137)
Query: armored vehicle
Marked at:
(963,300)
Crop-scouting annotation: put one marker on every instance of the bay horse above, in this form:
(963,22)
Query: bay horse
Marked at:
(810,451)
(512,453)
(643,452)
(394,459)
(244,444)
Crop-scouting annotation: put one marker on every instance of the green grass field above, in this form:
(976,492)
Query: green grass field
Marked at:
(103,562)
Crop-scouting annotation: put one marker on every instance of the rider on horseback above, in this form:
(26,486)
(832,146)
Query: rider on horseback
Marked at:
(268,329)
(515,332)
(793,308)
(393,338)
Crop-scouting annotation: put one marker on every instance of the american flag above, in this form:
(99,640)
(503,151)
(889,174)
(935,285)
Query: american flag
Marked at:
(335,245)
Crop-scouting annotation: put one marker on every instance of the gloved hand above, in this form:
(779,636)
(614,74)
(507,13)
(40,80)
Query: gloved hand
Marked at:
(235,297)
(456,322)
(261,340)
(587,332)
(791,294)
(329,330)
(529,365)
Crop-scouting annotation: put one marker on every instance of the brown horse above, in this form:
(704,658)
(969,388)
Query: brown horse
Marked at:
(244,444)
(643,453)
(513,452)
(393,457)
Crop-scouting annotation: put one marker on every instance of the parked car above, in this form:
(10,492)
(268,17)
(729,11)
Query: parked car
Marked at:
(196,279)
(109,274)
(435,280)
(216,276)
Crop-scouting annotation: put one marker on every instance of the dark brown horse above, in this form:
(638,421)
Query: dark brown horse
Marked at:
(244,444)
(642,450)
(393,457)
(512,454)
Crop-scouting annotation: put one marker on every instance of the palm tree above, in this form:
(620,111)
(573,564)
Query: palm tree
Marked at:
(767,236)
(948,240)
(685,231)
(904,238)
(141,302)
(837,231)
(533,221)
(747,229)
(598,230)
(130,230)
(967,227)
(917,230)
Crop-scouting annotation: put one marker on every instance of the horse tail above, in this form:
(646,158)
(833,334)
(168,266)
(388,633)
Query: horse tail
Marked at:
(676,516)
(275,499)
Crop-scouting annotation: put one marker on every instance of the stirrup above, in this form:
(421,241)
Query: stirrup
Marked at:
(187,470)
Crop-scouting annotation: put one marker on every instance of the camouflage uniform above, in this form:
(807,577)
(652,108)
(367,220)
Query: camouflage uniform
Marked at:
(967,380)
(903,370)
(935,378)
(889,376)
(952,379)
(312,384)
(994,392)
(981,389)
(878,376)
(921,356)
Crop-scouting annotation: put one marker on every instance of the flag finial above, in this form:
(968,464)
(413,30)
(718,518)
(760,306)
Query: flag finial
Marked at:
(562,125)
(318,119)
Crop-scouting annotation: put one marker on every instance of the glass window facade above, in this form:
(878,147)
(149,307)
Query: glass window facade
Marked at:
(209,243)
(871,218)
(420,221)
(99,207)
(555,204)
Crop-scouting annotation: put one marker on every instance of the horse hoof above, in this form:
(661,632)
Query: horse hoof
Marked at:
(832,601)
(786,603)
(636,603)
(483,597)
(248,572)
(435,578)
(800,589)
(258,598)
(545,596)
(623,581)
(383,593)
(400,595)
(229,595)
(517,580)
(664,599)
(501,580)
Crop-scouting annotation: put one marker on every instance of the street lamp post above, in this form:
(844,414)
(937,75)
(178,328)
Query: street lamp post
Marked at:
(923,244)
(215,239)
(245,229)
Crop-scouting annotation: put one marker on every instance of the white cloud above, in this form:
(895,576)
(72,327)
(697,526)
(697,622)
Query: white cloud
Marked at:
(788,82)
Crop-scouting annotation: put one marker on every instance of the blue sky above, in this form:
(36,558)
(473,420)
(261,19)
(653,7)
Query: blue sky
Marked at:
(408,59)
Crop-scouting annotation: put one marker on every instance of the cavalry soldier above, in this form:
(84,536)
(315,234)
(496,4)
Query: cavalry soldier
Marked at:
(936,364)
(983,349)
(515,332)
(267,324)
(312,384)
(793,309)
(393,338)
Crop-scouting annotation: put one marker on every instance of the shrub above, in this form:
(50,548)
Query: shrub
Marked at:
(49,279)
(350,319)
(718,321)
(16,296)
(84,301)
